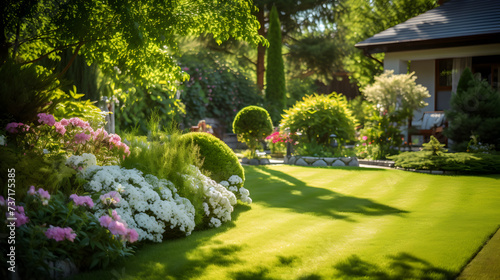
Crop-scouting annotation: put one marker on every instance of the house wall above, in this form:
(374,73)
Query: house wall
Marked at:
(422,62)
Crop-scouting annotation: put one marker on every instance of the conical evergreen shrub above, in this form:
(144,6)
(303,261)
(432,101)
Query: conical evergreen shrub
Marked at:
(275,70)
(475,110)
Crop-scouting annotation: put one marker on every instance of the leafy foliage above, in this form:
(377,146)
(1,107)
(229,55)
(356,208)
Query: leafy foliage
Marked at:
(275,73)
(27,91)
(218,159)
(216,89)
(357,20)
(137,37)
(316,117)
(32,169)
(474,111)
(252,124)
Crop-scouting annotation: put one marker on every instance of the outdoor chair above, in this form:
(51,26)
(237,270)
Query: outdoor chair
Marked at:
(431,124)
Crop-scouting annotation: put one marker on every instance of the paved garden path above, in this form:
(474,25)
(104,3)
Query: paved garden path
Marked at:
(486,265)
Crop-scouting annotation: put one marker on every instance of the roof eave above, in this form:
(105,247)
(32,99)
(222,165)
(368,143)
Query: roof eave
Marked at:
(397,46)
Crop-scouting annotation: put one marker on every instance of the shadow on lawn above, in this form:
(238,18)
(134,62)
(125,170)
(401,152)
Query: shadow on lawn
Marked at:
(401,266)
(289,192)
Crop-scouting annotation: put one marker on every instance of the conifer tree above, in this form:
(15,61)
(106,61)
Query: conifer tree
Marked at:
(275,73)
(474,112)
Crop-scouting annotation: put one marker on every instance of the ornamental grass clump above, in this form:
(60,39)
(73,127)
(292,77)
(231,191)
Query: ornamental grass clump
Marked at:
(252,124)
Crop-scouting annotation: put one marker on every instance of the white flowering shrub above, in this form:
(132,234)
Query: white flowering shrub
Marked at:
(218,201)
(147,204)
(233,184)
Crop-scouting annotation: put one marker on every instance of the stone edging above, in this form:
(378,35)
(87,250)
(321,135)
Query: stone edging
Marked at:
(321,161)
(254,161)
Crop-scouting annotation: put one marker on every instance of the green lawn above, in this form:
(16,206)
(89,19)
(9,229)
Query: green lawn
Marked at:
(319,223)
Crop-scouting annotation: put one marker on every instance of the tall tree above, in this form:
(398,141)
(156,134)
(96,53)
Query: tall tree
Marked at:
(358,20)
(275,74)
(295,16)
(137,37)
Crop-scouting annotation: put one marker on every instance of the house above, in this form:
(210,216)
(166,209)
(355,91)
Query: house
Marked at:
(438,44)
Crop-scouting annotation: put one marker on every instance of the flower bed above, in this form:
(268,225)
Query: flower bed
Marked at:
(321,161)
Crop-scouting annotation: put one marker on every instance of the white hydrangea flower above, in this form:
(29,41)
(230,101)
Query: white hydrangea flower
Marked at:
(214,222)
(225,184)
(235,180)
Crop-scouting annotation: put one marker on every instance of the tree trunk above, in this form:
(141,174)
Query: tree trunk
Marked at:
(261,51)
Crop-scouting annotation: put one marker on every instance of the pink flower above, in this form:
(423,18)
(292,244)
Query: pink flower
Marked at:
(46,119)
(59,234)
(82,200)
(105,220)
(365,138)
(117,228)
(32,191)
(132,235)
(115,216)
(60,128)
(64,122)
(82,138)
(19,215)
(100,134)
(110,198)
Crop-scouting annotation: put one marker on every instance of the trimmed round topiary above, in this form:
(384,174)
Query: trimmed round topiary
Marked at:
(252,124)
(219,159)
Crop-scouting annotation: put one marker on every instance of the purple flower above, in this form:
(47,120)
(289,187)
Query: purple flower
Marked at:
(46,119)
(14,127)
(43,194)
(2,201)
(82,200)
(19,215)
(59,234)
(32,191)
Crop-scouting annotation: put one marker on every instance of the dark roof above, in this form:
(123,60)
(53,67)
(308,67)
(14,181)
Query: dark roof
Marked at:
(455,23)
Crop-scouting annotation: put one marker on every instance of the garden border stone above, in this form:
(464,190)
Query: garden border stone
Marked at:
(321,161)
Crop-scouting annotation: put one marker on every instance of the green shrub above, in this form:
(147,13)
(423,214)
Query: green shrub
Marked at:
(317,117)
(474,111)
(217,157)
(252,124)
(465,163)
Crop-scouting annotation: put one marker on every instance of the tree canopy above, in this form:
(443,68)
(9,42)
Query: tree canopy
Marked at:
(137,37)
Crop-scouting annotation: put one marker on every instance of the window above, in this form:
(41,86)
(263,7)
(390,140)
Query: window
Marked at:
(489,69)
(444,69)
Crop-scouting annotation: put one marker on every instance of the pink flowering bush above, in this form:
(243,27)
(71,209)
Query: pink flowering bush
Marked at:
(277,142)
(71,136)
(51,227)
